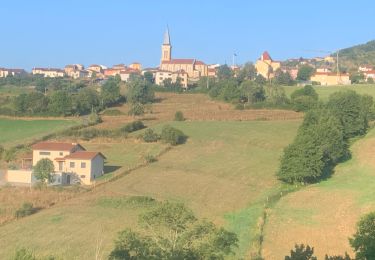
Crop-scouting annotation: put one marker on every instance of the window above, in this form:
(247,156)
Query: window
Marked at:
(44,153)
(83,165)
(61,153)
(82,176)
(72,165)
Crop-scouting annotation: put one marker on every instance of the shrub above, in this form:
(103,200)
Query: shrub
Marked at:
(94,118)
(24,254)
(136,109)
(25,210)
(172,135)
(150,136)
(150,158)
(1,151)
(132,127)
(179,116)
(112,112)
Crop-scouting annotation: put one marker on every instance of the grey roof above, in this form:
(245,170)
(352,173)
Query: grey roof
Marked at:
(167,39)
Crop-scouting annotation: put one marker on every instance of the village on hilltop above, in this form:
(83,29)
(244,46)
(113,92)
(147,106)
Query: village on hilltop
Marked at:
(189,71)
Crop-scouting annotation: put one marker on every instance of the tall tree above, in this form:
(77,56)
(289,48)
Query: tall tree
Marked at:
(224,72)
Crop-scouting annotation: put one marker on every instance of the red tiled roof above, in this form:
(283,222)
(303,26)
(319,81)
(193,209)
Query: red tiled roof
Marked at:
(52,146)
(369,72)
(83,155)
(184,61)
(266,56)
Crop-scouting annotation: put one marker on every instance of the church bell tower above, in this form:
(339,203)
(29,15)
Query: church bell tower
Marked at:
(166,48)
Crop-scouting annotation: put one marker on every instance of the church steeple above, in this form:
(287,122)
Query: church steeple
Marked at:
(167,38)
(166,48)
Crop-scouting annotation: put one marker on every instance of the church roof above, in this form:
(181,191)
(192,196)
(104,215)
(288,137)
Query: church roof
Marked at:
(184,61)
(266,56)
(167,38)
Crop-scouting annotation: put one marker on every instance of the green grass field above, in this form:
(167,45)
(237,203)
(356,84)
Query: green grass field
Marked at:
(325,215)
(325,91)
(224,173)
(18,131)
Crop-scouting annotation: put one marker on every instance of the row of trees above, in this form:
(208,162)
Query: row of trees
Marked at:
(65,102)
(322,139)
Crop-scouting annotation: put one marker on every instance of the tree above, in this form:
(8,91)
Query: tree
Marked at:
(86,100)
(363,241)
(173,232)
(110,92)
(318,146)
(259,79)
(149,77)
(136,109)
(352,110)
(43,170)
(179,116)
(224,72)
(301,252)
(304,99)
(140,92)
(60,103)
(247,72)
(305,72)
(252,91)
(283,78)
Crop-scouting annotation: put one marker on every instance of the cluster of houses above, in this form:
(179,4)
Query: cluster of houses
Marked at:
(72,165)
(189,71)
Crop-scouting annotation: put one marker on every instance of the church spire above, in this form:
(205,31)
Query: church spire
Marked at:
(167,38)
(166,48)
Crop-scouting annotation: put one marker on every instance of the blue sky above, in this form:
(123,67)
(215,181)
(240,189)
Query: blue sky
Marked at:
(52,33)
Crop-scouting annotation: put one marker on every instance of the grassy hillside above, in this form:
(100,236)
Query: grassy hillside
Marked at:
(224,173)
(15,131)
(357,55)
(324,215)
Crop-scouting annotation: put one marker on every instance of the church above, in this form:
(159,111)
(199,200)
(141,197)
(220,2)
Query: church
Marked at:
(194,68)
(266,66)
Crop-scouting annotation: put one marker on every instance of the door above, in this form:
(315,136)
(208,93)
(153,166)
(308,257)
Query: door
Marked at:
(61,166)
(68,179)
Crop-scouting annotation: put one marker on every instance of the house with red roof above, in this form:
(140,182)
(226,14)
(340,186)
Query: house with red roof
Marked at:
(72,164)
(266,66)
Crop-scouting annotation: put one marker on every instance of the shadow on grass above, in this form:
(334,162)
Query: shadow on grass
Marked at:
(110,168)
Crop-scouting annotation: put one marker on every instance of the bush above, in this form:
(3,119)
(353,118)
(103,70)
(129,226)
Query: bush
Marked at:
(150,136)
(112,112)
(94,118)
(1,151)
(150,158)
(172,135)
(132,127)
(179,116)
(25,210)
(136,109)
(24,254)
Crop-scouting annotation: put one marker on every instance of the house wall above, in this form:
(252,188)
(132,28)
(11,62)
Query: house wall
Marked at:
(37,156)
(20,176)
(331,80)
(97,167)
(84,174)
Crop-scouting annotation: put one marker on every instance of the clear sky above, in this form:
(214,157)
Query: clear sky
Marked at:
(53,33)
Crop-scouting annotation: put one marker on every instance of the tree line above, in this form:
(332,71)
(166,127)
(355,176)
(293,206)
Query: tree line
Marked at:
(323,138)
(79,99)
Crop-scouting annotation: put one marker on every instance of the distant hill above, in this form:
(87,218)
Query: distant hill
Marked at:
(352,57)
